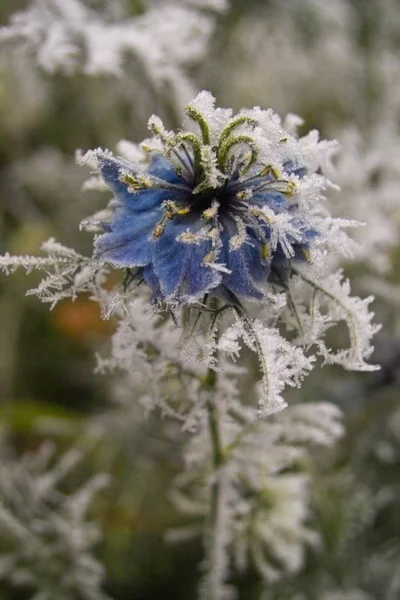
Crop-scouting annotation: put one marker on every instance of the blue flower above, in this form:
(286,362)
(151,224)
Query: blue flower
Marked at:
(205,218)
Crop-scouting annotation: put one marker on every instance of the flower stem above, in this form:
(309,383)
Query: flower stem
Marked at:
(216,552)
(213,420)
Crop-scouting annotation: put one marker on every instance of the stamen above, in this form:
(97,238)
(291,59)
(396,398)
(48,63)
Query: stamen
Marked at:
(260,233)
(194,141)
(186,172)
(212,211)
(159,229)
(142,181)
(209,261)
(245,194)
(266,171)
(291,189)
(237,240)
(183,211)
(265,253)
(282,185)
(257,212)
(307,254)
(209,258)
(275,172)
(187,237)
(136,183)
(190,160)
(170,211)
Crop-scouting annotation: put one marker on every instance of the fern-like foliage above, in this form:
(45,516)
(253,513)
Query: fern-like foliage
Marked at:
(47,538)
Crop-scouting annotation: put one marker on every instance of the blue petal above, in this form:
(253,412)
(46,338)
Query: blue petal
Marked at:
(162,168)
(153,282)
(129,243)
(300,252)
(248,275)
(274,200)
(310,234)
(111,169)
(290,168)
(179,268)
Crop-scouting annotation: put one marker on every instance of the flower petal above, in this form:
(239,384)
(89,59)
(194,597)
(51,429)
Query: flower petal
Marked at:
(274,200)
(128,243)
(178,265)
(162,168)
(153,282)
(248,275)
(111,169)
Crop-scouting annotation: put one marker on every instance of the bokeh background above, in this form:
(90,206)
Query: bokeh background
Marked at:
(337,65)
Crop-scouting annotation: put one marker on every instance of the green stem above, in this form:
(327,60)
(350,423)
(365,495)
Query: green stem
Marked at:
(210,384)
(218,457)
(213,420)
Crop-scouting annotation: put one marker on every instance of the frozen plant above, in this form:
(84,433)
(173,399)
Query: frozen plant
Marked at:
(368,172)
(164,39)
(224,242)
(358,99)
(144,53)
(47,539)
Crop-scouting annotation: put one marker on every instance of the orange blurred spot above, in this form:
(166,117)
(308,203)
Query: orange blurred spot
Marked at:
(81,319)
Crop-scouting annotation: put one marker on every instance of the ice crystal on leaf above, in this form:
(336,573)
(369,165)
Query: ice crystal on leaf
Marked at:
(281,362)
(68,273)
(46,535)
(265,487)
(71,35)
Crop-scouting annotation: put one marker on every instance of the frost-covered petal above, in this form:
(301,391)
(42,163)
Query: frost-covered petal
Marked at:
(179,266)
(274,200)
(153,282)
(128,242)
(112,169)
(248,276)
(163,168)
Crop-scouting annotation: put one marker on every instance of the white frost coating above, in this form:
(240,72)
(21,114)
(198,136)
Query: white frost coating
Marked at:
(209,162)
(281,363)
(265,508)
(368,172)
(367,167)
(316,299)
(70,36)
(283,230)
(333,292)
(217,118)
(41,523)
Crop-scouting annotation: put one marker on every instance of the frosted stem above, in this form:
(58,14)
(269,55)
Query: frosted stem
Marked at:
(213,420)
(215,547)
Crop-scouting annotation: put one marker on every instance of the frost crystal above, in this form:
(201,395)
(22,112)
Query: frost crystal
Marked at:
(46,534)
(71,35)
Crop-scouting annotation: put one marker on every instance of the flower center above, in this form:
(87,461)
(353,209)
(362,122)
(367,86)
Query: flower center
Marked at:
(204,201)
